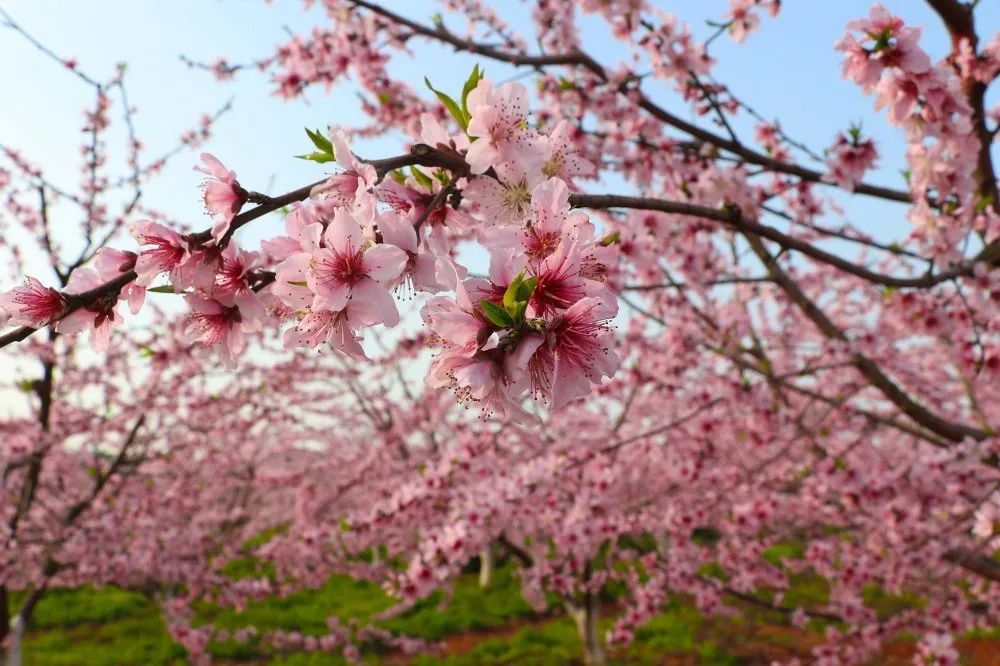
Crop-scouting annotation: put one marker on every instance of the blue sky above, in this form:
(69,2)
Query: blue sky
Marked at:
(787,70)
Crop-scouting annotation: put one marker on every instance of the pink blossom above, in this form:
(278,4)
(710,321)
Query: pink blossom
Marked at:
(335,328)
(894,46)
(673,50)
(898,92)
(234,271)
(937,649)
(348,267)
(168,251)
(849,159)
(575,352)
(281,247)
(742,19)
(409,198)
(346,188)
(471,365)
(110,263)
(552,220)
(484,379)
(222,322)
(499,117)
(506,199)
(97,316)
(223,195)
(563,161)
(34,305)
(433,133)
(560,283)
(425,270)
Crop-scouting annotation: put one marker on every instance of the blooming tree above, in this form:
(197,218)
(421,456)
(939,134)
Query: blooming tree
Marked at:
(676,375)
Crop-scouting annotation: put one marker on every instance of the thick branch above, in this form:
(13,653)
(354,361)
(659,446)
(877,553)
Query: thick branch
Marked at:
(947,429)
(420,154)
(735,219)
(977,563)
(581,59)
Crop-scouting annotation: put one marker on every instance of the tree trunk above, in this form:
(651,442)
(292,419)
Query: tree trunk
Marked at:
(487,564)
(4,619)
(22,617)
(14,641)
(584,616)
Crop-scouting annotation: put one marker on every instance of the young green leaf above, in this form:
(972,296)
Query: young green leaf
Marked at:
(519,309)
(321,142)
(453,108)
(422,178)
(321,158)
(162,289)
(496,314)
(510,296)
(470,85)
(611,238)
(527,288)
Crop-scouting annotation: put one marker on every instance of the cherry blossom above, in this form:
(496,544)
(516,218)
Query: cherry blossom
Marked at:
(498,120)
(694,364)
(349,186)
(223,195)
(32,305)
(166,254)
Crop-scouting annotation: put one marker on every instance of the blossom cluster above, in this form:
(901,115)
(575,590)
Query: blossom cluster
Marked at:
(538,325)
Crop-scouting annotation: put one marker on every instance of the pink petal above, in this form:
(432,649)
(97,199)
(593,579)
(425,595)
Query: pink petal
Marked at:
(383,262)
(371,304)
(344,233)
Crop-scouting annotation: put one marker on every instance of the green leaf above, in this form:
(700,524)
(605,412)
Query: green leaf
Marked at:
(612,238)
(321,142)
(706,535)
(519,309)
(527,288)
(321,158)
(496,314)
(470,85)
(984,202)
(27,385)
(453,108)
(162,289)
(510,296)
(422,178)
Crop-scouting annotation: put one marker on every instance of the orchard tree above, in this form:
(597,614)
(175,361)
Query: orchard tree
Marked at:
(675,371)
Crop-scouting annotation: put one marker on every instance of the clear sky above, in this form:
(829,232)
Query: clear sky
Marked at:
(787,70)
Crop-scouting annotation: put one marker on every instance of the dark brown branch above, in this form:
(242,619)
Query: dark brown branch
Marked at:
(787,610)
(518,553)
(959,19)
(710,283)
(581,59)
(420,154)
(733,218)
(977,563)
(947,429)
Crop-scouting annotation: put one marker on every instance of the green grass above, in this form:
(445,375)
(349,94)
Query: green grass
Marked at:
(139,638)
(110,626)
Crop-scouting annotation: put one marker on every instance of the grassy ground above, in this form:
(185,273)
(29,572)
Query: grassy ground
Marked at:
(116,627)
